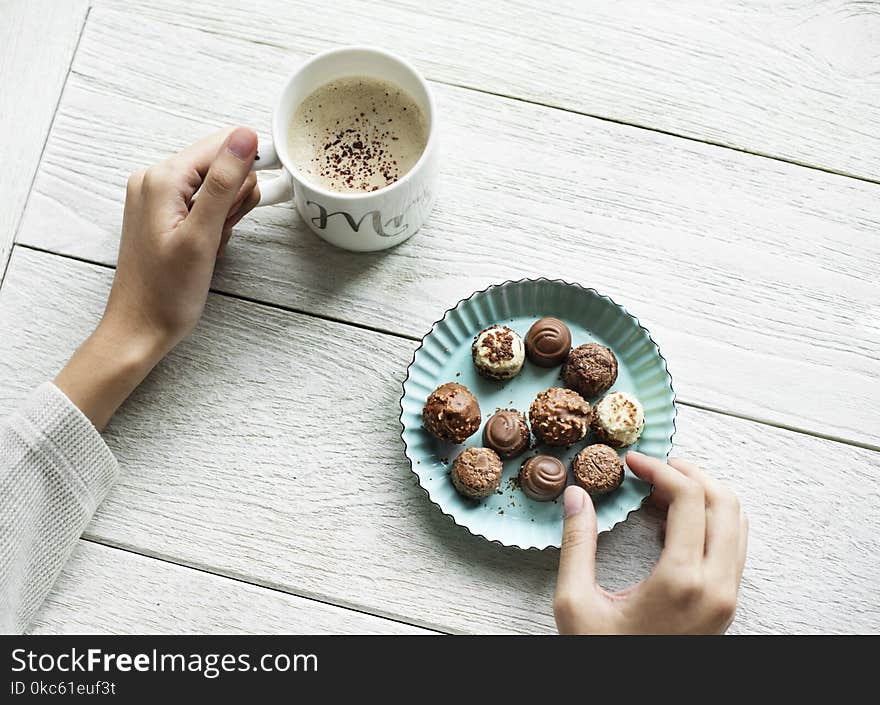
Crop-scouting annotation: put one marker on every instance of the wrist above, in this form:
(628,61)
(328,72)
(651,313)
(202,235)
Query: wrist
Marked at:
(128,352)
(107,368)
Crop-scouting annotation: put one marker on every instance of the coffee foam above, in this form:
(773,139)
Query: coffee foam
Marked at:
(356,134)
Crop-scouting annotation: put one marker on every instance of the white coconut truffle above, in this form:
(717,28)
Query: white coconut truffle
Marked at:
(498,353)
(618,419)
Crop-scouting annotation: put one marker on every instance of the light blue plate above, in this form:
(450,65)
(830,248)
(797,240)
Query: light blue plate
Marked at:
(511,518)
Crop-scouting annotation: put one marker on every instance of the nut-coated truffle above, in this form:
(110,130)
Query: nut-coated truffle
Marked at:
(590,370)
(507,433)
(542,477)
(618,419)
(476,472)
(559,417)
(598,469)
(498,353)
(451,413)
(548,342)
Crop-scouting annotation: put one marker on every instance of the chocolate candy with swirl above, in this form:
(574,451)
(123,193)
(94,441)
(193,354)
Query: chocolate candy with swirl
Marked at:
(548,342)
(543,478)
(507,433)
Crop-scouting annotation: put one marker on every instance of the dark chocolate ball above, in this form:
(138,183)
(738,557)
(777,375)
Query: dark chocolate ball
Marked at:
(590,370)
(598,469)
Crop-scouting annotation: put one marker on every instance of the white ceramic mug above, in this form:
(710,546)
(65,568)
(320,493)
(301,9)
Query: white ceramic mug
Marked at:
(362,221)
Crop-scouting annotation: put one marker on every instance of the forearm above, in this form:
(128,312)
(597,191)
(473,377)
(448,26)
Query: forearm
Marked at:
(54,467)
(54,471)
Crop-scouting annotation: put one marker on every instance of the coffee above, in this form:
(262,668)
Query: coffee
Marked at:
(356,134)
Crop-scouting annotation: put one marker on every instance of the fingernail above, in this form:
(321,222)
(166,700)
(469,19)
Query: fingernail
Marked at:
(242,143)
(573,501)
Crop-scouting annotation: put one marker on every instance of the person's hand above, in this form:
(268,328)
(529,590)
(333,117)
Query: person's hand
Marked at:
(693,588)
(167,253)
(168,249)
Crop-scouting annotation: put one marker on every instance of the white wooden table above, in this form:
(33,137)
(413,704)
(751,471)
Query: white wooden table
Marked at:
(714,166)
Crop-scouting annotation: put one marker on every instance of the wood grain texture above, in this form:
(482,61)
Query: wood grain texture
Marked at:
(266,448)
(103,590)
(758,279)
(37,41)
(796,80)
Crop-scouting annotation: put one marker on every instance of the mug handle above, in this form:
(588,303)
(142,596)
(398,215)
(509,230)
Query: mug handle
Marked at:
(279,189)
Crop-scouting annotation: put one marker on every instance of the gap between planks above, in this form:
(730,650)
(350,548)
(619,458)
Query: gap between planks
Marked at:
(263,584)
(383,331)
(648,128)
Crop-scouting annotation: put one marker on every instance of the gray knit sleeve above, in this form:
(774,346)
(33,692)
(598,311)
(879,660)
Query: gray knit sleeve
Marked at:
(55,469)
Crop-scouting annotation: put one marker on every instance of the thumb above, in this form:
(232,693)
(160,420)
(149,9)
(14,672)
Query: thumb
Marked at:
(225,177)
(577,559)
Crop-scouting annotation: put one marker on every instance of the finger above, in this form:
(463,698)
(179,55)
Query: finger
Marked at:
(577,557)
(236,204)
(576,584)
(246,189)
(743,546)
(225,177)
(723,522)
(224,240)
(199,155)
(661,498)
(247,204)
(243,209)
(686,516)
(191,163)
(686,467)
(658,501)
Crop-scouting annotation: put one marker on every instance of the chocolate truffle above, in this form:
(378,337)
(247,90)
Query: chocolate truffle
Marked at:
(498,353)
(618,419)
(476,472)
(507,433)
(590,370)
(451,413)
(559,417)
(542,477)
(598,469)
(548,342)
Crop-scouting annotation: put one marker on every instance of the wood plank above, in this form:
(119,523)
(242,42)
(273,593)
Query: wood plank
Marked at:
(266,448)
(791,80)
(37,41)
(104,590)
(758,279)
